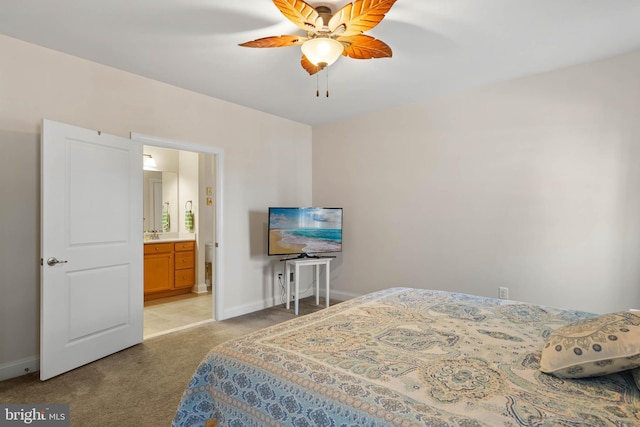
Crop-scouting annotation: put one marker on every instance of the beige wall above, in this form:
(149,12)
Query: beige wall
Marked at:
(267,162)
(532,185)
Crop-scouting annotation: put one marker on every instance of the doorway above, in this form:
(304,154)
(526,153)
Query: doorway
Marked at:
(186,178)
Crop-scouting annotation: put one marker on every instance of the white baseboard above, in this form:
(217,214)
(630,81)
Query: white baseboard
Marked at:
(247,308)
(261,305)
(199,288)
(19,367)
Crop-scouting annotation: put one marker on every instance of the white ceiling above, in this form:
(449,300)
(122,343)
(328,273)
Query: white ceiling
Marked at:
(439,46)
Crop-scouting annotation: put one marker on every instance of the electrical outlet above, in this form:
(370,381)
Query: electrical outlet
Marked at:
(503,293)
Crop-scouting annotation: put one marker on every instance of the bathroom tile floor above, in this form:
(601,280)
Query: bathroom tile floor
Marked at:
(173,313)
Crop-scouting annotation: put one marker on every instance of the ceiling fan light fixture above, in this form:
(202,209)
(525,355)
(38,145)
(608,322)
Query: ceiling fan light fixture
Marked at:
(322,51)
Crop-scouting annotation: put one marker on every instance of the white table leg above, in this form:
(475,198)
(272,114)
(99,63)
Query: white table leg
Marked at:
(287,283)
(296,275)
(316,269)
(328,274)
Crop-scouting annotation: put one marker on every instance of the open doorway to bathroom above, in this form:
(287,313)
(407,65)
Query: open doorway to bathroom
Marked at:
(180,187)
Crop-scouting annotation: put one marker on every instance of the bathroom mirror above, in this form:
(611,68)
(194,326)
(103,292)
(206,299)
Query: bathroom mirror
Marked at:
(161,201)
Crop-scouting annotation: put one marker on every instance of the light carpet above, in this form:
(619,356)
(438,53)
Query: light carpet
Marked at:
(142,385)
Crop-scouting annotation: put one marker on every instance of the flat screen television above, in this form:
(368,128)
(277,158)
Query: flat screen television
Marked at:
(305,232)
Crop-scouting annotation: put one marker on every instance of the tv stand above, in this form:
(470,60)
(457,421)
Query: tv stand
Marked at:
(301,262)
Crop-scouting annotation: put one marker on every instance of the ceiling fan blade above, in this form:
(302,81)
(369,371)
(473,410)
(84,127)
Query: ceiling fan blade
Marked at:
(301,14)
(363,46)
(359,16)
(275,41)
(309,66)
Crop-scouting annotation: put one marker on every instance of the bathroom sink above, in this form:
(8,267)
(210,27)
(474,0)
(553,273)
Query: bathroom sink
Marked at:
(167,237)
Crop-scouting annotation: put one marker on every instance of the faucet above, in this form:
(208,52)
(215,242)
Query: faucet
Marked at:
(152,235)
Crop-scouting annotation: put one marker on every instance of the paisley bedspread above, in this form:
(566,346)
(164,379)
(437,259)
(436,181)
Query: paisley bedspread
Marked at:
(404,357)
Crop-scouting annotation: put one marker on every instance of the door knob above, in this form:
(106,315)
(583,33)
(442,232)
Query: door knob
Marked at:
(53,261)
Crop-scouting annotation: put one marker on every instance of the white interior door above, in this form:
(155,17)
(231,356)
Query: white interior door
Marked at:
(92,297)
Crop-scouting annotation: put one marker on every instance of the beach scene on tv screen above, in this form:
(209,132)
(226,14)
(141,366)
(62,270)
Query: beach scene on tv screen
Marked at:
(295,231)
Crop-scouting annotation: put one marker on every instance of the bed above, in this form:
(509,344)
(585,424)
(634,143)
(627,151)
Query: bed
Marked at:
(404,357)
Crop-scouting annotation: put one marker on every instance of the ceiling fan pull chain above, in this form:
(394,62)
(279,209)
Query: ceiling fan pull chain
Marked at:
(327,82)
(317,86)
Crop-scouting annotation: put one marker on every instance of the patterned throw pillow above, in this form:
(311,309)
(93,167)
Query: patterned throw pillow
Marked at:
(598,346)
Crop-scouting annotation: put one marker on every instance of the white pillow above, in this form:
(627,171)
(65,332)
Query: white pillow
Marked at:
(597,346)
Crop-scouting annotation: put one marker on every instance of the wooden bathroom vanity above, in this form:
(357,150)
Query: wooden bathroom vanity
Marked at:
(169,268)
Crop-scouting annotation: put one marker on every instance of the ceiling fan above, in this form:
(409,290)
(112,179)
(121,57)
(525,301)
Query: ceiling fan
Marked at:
(329,35)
